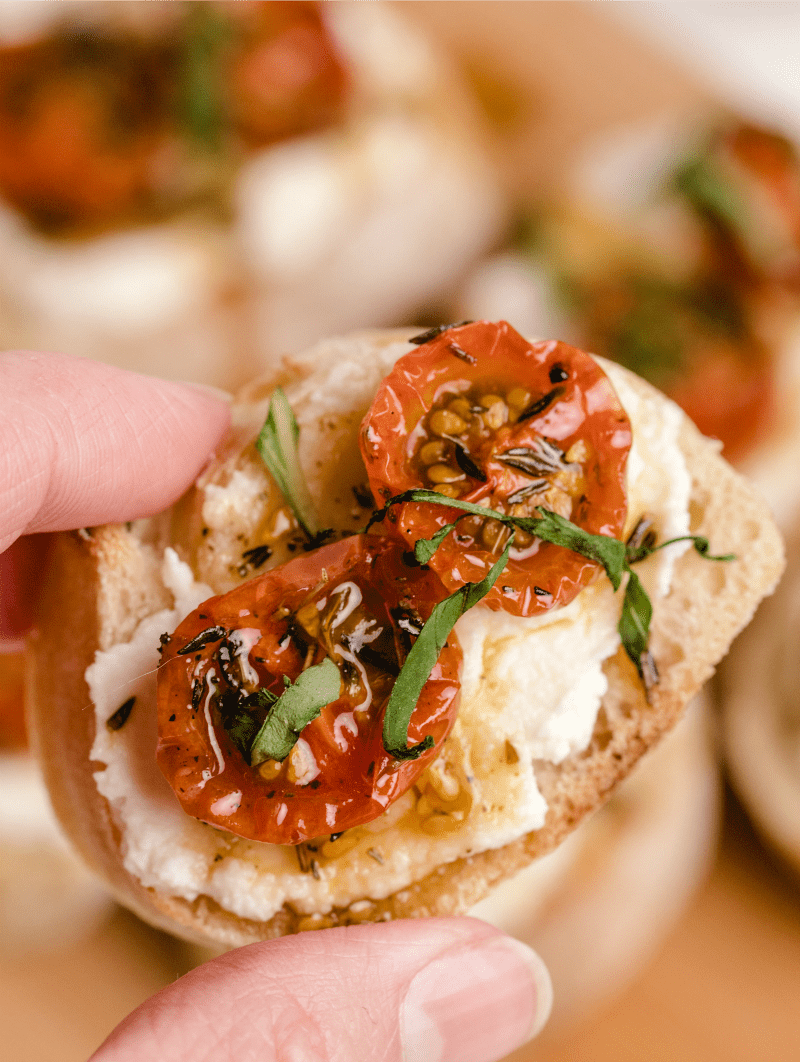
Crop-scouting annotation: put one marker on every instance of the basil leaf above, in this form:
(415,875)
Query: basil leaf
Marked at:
(242,727)
(614,556)
(549,526)
(424,548)
(607,551)
(634,623)
(266,698)
(200,102)
(422,658)
(277,444)
(710,191)
(296,707)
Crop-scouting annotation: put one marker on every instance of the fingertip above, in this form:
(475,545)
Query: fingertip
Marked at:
(478,1001)
(86,443)
(215,393)
(200,407)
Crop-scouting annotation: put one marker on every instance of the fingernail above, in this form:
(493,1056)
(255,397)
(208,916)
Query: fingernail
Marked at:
(475,1004)
(208,389)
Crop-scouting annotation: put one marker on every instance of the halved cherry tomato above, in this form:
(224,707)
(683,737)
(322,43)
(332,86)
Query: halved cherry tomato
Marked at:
(285,75)
(82,119)
(748,193)
(729,394)
(480,413)
(92,119)
(355,601)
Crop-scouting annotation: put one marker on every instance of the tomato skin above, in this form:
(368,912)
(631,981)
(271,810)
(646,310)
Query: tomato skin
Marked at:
(730,398)
(285,76)
(585,408)
(82,120)
(91,125)
(357,778)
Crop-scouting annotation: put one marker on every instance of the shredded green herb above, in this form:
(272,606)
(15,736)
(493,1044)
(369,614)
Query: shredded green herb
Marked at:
(200,103)
(634,623)
(549,526)
(422,658)
(712,193)
(242,727)
(613,555)
(298,705)
(700,543)
(277,444)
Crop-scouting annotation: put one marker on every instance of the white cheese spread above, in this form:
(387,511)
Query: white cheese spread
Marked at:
(531,689)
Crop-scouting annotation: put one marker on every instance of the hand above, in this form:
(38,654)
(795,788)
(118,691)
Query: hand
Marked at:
(81,444)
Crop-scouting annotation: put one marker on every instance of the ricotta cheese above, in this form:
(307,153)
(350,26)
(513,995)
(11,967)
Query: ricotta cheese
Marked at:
(531,689)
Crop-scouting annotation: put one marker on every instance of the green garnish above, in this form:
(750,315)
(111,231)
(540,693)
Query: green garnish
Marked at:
(613,555)
(700,543)
(200,103)
(298,705)
(708,188)
(549,526)
(277,444)
(242,727)
(634,623)
(422,658)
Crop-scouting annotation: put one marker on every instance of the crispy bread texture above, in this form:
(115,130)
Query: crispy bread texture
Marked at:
(100,586)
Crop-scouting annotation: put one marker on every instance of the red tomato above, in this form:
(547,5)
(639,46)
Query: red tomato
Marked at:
(728,396)
(285,77)
(82,119)
(764,172)
(480,413)
(354,601)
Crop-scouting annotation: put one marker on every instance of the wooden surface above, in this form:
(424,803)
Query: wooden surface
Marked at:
(724,987)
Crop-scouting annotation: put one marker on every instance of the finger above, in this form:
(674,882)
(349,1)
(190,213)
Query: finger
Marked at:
(431,990)
(82,443)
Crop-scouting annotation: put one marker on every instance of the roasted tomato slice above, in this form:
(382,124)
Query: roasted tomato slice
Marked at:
(83,119)
(479,413)
(356,602)
(285,75)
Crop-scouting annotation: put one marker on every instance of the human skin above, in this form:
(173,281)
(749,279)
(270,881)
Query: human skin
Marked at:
(82,444)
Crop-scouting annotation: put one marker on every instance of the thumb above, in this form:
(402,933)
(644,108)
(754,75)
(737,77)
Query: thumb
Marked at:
(434,990)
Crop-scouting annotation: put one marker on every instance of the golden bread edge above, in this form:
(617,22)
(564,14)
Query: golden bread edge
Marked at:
(686,646)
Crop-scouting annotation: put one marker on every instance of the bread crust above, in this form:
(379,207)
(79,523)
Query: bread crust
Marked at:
(89,574)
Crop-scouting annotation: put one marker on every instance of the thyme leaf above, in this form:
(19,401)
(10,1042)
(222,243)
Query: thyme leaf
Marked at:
(277,444)
(435,332)
(118,719)
(422,658)
(298,705)
(210,634)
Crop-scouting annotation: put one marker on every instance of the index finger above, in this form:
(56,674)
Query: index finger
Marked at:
(82,443)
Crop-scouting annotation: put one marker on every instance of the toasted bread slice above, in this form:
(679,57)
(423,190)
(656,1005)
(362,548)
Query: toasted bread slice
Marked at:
(104,581)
